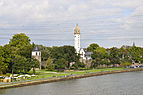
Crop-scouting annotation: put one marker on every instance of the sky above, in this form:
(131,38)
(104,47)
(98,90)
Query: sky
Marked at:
(51,22)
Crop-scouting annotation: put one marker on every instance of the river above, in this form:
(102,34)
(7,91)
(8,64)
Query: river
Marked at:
(130,83)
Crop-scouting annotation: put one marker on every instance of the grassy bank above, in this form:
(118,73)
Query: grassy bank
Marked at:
(48,74)
(67,75)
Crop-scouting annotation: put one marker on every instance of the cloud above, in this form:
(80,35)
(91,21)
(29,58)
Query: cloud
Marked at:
(103,18)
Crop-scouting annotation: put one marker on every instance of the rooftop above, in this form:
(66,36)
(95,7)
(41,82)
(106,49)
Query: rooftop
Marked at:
(36,49)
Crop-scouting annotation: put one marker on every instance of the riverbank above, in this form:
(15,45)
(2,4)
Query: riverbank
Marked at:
(67,77)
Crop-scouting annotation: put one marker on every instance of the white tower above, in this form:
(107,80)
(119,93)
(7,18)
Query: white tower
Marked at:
(36,53)
(77,38)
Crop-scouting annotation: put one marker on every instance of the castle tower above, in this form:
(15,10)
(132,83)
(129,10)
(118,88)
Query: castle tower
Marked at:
(36,53)
(77,38)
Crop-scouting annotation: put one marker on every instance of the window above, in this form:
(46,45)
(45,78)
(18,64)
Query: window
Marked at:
(36,53)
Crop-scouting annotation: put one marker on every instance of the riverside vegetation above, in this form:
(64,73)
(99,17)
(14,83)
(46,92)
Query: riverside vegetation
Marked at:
(15,57)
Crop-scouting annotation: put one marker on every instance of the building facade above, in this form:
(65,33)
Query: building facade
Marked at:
(36,53)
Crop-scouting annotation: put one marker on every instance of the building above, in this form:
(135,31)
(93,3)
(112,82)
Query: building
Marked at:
(77,39)
(36,53)
(84,54)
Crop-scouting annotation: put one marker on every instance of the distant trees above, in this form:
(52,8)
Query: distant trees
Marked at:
(16,56)
(123,56)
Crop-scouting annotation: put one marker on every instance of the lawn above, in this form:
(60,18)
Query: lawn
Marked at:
(49,74)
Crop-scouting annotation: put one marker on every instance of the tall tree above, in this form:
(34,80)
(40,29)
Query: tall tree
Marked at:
(114,56)
(22,44)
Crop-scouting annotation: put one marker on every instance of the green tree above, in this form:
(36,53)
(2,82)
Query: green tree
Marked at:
(100,57)
(61,64)
(22,44)
(92,47)
(3,65)
(34,63)
(100,52)
(49,64)
(65,52)
(114,56)
(135,53)
(19,46)
(19,64)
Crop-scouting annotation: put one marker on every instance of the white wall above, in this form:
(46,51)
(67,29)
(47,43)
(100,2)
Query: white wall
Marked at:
(77,42)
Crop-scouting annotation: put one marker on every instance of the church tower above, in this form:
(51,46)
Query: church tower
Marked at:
(77,39)
(36,53)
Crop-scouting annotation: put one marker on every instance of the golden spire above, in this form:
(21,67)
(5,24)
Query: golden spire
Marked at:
(76,30)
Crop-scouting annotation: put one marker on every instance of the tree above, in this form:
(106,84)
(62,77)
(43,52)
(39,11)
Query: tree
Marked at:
(100,52)
(3,65)
(100,57)
(114,56)
(61,64)
(19,47)
(49,64)
(65,52)
(78,65)
(135,53)
(92,47)
(19,65)
(22,44)
(34,63)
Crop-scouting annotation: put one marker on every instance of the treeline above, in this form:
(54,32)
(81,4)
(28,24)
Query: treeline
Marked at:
(60,58)
(65,57)
(124,56)
(15,57)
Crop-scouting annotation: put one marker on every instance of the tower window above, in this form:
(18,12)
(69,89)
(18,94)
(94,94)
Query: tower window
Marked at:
(36,53)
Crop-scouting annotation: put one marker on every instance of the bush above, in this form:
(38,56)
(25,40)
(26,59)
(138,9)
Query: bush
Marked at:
(126,64)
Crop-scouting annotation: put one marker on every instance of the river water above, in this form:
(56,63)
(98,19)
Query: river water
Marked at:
(130,83)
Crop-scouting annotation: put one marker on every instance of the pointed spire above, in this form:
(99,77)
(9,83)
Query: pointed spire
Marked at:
(76,30)
(134,44)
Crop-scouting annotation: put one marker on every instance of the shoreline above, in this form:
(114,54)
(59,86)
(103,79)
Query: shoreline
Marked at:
(28,83)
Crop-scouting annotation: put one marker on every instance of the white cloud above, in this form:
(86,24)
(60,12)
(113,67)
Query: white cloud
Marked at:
(99,17)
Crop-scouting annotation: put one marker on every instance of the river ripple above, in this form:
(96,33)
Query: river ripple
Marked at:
(130,83)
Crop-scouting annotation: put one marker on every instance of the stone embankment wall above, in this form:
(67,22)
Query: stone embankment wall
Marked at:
(67,78)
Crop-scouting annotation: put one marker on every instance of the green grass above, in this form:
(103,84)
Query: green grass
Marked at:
(46,74)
